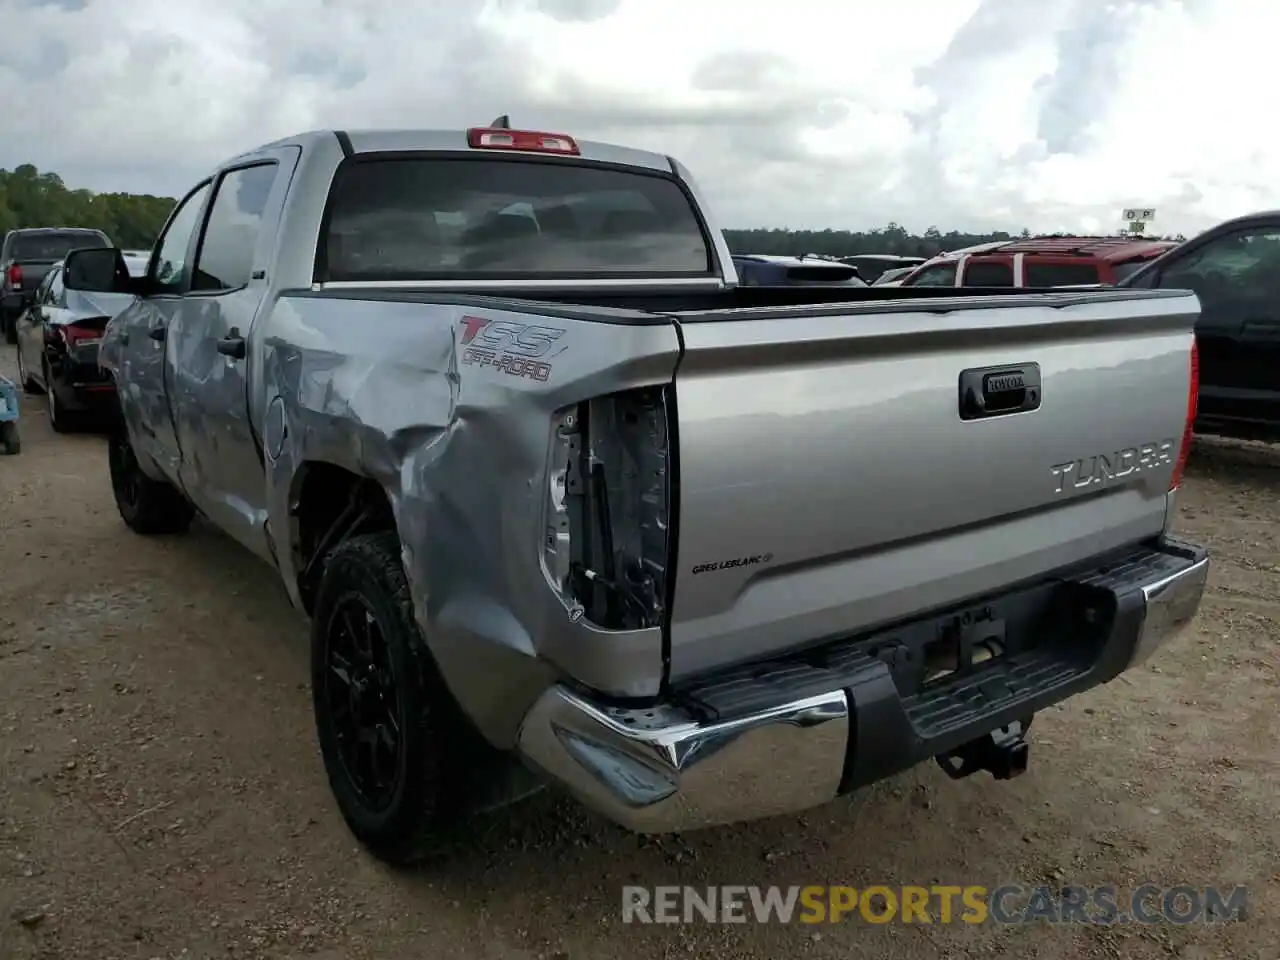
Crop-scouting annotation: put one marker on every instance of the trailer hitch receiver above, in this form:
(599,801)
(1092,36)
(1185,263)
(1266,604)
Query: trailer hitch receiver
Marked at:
(1003,753)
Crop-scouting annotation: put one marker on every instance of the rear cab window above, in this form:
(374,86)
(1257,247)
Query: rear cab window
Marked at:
(423,218)
(53,244)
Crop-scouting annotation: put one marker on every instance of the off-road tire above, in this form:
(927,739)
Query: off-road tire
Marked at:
(443,760)
(149,507)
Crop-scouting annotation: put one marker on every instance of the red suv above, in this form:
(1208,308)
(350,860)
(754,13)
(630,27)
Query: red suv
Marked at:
(1039,262)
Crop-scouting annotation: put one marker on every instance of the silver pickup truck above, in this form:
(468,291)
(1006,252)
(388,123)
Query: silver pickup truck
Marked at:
(564,503)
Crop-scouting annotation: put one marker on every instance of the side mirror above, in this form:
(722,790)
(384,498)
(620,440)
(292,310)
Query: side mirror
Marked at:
(97,270)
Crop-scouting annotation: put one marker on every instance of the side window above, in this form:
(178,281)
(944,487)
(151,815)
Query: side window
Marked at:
(42,291)
(942,275)
(54,293)
(988,273)
(225,260)
(1037,273)
(1236,277)
(170,266)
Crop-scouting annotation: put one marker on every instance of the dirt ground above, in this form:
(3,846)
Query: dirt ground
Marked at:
(161,793)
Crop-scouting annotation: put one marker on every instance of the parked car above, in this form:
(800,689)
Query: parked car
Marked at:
(1234,270)
(1040,262)
(559,495)
(58,337)
(892,278)
(872,265)
(763,270)
(26,256)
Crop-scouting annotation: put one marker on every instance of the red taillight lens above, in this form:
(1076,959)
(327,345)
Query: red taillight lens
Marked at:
(498,138)
(15,275)
(76,336)
(1193,401)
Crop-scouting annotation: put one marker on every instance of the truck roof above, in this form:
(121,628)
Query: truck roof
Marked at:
(379,141)
(54,230)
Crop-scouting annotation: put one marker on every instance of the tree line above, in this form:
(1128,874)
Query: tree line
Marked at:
(30,198)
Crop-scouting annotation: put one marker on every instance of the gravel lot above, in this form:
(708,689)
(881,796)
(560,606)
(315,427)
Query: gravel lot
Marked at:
(161,793)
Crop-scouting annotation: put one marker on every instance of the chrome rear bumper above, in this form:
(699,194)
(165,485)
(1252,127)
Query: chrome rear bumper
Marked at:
(667,773)
(662,770)
(1170,605)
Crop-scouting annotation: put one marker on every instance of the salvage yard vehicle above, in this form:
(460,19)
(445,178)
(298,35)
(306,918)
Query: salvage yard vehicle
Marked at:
(566,503)
(757,269)
(1040,262)
(58,340)
(26,256)
(1234,270)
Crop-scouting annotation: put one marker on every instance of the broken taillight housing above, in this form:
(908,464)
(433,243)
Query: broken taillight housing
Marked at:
(608,509)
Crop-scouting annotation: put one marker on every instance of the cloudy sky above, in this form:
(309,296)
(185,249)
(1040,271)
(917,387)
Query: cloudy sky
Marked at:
(966,114)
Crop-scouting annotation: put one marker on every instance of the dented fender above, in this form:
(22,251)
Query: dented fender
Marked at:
(452,410)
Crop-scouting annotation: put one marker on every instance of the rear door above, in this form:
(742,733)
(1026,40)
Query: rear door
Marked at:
(30,328)
(135,344)
(222,465)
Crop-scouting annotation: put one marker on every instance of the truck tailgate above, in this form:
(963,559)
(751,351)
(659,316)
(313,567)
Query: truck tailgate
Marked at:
(828,483)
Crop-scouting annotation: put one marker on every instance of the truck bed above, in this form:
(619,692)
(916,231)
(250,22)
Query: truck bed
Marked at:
(825,477)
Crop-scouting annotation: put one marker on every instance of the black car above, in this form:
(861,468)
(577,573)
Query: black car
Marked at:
(1234,269)
(58,338)
(26,256)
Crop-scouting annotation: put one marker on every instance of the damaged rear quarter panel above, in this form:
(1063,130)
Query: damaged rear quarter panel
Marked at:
(432,401)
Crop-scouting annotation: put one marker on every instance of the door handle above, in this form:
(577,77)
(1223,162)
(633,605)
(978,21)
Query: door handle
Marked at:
(232,345)
(995,391)
(157,333)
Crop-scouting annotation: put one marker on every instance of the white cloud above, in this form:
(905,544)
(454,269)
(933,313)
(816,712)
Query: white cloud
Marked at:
(964,114)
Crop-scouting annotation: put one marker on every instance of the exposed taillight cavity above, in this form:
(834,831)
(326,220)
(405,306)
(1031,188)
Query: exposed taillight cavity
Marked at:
(499,138)
(608,510)
(15,276)
(86,333)
(1188,430)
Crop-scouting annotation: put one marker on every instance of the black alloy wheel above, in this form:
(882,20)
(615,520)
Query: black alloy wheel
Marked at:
(404,762)
(126,475)
(363,702)
(147,506)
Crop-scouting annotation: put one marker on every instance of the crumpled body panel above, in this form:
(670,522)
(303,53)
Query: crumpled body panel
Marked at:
(450,409)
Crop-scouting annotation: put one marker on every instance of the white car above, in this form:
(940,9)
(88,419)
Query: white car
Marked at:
(136,261)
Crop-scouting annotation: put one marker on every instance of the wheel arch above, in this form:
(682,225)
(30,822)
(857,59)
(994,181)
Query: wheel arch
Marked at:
(329,504)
